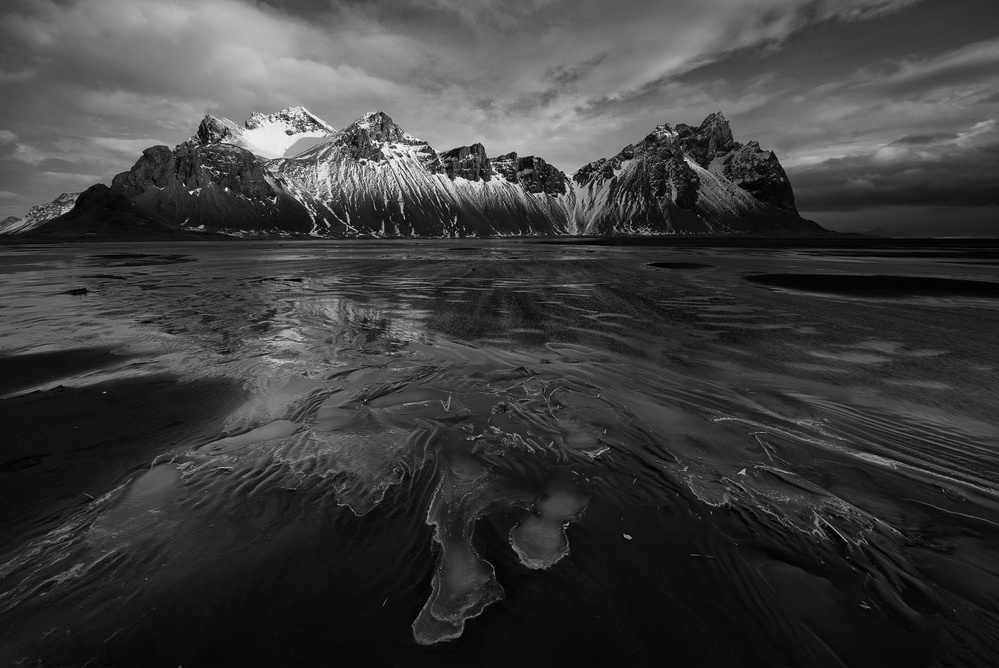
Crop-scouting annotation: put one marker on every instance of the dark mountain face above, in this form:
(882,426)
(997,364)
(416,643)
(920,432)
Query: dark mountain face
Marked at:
(712,139)
(193,167)
(532,173)
(688,180)
(100,210)
(712,146)
(215,187)
(213,130)
(759,173)
(467,162)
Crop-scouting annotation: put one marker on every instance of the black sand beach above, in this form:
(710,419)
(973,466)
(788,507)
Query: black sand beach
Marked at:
(499,452)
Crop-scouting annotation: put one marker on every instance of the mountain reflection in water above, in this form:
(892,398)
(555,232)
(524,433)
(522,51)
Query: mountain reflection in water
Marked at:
(500,452)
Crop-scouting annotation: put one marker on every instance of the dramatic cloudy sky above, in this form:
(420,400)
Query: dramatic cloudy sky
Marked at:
(884,112)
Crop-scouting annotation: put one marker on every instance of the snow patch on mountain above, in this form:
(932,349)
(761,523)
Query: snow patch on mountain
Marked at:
(267,136)
(378,179)
(40,214)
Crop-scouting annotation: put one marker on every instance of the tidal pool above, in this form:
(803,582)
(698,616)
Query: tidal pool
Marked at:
(497,452)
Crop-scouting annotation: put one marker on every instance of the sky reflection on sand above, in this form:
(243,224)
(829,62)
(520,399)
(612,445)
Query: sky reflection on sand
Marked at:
(465,423)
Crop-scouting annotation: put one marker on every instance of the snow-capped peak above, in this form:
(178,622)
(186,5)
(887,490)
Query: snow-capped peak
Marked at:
(274,135)
(298,118)
(373,118)
(379,126)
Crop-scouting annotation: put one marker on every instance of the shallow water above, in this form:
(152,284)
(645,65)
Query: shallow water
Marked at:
(497,452)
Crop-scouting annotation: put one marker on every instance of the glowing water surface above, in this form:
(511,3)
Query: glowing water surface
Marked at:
(497,451)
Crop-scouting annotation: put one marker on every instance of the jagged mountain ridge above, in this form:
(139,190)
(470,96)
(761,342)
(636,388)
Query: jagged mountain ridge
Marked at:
(688,180)
(378,179)
(38,215)
(373,178)
(217,187)
(268,136)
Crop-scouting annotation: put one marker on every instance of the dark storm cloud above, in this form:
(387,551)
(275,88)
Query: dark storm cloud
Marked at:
(849,187)
(88,83)
(959,170)
(924,139)
(914,221)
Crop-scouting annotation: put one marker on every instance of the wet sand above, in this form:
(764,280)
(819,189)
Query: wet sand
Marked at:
(67,445)
(498,452)
(877,285)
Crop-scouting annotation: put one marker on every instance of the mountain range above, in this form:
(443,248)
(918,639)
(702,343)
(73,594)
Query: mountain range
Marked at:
(39,215)
(291,173)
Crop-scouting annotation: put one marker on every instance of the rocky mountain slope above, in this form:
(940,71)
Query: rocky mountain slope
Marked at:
(215,187)
(39,215)
(290,173)
(688,180)
(378,179)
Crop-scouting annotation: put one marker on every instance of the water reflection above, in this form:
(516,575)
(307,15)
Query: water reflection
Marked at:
(480,426)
